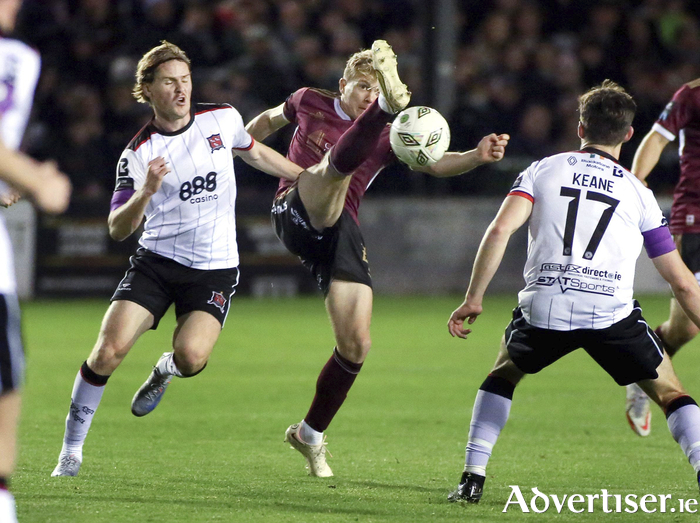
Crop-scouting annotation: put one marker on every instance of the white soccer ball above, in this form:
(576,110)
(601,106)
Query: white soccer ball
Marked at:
(419,136)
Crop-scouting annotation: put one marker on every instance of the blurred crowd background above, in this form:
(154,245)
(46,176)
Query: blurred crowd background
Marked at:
(519,67)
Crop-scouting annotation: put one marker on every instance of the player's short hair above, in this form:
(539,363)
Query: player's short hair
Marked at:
(359,64)
(146,69)
(606,113)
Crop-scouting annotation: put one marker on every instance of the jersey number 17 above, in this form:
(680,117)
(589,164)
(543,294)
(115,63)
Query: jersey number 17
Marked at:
(572,213)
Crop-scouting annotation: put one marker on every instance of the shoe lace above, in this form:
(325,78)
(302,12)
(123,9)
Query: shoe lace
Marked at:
(69,460)
(323,449)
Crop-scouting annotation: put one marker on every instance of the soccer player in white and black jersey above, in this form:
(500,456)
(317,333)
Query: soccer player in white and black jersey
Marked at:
(50,190)
(178,174)
(588,219)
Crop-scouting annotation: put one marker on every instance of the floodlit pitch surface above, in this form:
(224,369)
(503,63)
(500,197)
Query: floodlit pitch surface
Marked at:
(213,451)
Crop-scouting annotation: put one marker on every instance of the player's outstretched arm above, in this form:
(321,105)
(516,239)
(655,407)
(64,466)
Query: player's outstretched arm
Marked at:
(267,123)
(490,149)
(683,283)
(512,215)
(270,161)
(648,154)
(124,220)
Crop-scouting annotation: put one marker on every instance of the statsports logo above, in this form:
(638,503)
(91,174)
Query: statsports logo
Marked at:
(567,283)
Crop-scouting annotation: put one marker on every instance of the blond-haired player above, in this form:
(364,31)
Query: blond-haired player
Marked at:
(342,139)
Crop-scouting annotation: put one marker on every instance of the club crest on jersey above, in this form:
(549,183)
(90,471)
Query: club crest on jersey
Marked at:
(217,300)
(215,142)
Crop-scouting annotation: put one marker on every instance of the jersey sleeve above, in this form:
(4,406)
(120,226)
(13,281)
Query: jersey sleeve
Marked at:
(131,175)
(524,184)
(654,227)
(240,138)
(291,105)
(677,114)
(17,94)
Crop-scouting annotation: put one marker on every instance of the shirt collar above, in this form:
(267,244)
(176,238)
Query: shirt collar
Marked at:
(339,110)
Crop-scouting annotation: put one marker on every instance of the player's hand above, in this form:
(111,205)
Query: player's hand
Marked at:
(157,169)
(9,197)
(492,148)
(52,194)
(466,311)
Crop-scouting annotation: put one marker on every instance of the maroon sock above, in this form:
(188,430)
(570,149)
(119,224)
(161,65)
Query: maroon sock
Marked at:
(332,388)
(357,143)
(4,483)
(670,350)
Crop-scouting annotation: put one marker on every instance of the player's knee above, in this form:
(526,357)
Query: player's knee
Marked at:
(355,348)
(109,353)
(190,362)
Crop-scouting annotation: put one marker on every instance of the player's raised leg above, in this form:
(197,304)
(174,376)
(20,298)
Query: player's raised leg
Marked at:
(323,187)
(682,412)
(349,306)
(122,325)
(489,416)
(193,342)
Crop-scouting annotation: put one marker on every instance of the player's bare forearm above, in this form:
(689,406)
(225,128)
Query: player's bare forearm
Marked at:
(16,169)
(266,123)
(271,162)
(648,154)
(513,213)
(488,259)
(491,149)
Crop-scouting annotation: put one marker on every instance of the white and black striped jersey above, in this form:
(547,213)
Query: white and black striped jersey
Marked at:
(191,219)
(585,235)
(19,72)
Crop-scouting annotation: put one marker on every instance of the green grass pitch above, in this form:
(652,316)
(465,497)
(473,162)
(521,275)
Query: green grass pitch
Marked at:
(213,449)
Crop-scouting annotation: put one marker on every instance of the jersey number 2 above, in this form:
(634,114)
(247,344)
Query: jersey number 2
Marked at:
(573,212)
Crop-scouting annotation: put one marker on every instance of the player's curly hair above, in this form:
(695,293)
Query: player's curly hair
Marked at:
(359,64)
(606,112)
(146,69)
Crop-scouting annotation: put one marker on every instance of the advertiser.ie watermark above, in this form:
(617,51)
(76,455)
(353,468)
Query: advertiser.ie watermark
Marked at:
(603,502)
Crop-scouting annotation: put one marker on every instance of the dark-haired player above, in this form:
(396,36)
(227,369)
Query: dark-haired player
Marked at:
(588,219)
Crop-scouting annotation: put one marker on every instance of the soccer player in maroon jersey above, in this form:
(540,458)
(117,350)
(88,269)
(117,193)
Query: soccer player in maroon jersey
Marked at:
(679,119)
(343,142)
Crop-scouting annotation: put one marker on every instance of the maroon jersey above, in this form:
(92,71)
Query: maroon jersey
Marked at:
(681,118)
(320,123)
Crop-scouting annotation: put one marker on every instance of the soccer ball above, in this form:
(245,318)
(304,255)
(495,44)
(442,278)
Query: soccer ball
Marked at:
(419,136)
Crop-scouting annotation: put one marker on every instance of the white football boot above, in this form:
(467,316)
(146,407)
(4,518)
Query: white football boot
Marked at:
(395,92)
(637,410)
(315,454)
(68,465)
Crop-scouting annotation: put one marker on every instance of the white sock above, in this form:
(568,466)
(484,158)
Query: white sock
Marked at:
(85,399)
(166,365)
(488,419)
(383,104)
(309,435)
(7,507)
(684,425)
